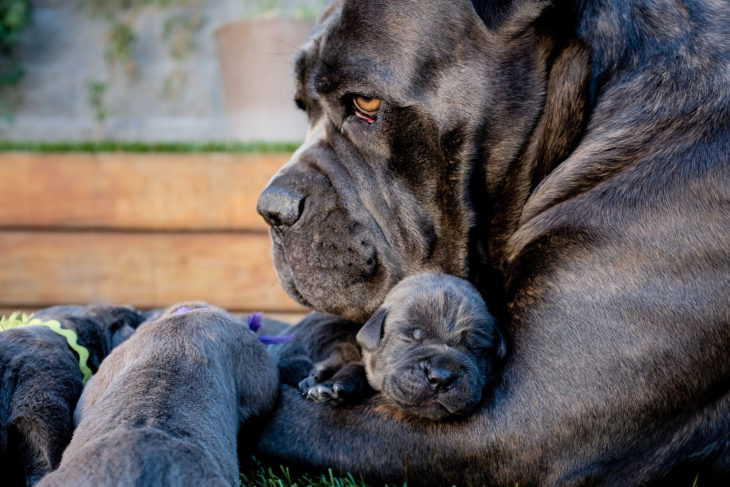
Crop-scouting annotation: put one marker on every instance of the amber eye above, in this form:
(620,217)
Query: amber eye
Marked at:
(366,108)
(369,106)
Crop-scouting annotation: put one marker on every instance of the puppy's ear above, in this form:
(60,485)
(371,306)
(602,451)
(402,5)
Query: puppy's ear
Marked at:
(371,332)
(121,335)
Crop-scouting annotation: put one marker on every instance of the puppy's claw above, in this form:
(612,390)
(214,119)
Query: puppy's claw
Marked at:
(322,393)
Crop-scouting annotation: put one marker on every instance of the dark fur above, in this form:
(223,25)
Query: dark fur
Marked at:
(40,382)
(165,407)
(429,349)
(572,160)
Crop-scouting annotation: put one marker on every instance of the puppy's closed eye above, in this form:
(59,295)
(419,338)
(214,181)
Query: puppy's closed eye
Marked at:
(418,334)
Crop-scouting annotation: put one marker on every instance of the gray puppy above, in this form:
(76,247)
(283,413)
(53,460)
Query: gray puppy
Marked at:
(429,349)
(165,408)
(41,381)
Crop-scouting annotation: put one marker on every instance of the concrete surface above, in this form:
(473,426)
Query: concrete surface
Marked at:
(164,100)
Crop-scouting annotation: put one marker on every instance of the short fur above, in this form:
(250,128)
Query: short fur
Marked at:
(41,381)
(165,407)
(572,160)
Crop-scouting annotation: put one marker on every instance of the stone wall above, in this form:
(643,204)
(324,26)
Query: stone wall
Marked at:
(163,98)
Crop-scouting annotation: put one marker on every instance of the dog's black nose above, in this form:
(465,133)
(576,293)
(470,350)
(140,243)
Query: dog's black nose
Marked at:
(280,206)
(439,377)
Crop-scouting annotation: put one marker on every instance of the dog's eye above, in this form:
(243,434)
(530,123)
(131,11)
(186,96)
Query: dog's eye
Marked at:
(366,108)
(417,334)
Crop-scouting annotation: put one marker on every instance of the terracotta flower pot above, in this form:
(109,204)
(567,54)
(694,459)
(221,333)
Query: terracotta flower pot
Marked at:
(257,63)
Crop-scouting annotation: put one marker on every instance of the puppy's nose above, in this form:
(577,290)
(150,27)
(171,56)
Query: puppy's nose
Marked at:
(280,206)
(439,377)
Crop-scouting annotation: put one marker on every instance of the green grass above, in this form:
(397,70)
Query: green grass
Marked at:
(260,476)
(257,475)
(144,147)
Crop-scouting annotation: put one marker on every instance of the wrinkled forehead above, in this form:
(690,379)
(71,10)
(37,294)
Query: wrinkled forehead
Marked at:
(445,312)
(382,44)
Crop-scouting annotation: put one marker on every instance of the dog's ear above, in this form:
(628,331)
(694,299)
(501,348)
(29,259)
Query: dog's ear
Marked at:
(121,335)
(371,332)
(115,324)
(509,15)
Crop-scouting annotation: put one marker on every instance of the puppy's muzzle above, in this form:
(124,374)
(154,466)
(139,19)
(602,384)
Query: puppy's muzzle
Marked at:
(440,373)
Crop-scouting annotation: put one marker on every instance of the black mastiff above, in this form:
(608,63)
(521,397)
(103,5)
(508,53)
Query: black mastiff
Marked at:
(569,158)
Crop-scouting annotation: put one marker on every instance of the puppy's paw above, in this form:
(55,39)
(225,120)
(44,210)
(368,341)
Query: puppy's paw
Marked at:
(322,393)
(320,373)
(347,386)
(317,391)
(307,383)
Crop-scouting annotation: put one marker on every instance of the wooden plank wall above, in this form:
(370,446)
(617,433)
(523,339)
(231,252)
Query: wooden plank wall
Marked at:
(142,229)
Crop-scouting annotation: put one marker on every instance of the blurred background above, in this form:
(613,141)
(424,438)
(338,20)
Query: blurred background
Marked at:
(135,137)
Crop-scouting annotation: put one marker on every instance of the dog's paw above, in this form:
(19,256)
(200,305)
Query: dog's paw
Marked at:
(317,391)
(348,385)
(307,383)
(331,392)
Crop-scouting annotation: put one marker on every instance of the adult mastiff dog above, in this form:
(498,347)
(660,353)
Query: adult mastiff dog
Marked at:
(570,158)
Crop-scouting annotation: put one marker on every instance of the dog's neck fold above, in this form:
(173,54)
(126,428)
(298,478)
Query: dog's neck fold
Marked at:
(555,73)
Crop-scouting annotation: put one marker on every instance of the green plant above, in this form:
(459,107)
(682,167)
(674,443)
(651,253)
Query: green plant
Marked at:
(311,9)
(264,9)
(179,32)
(120,46)
(15,16)
(96,91)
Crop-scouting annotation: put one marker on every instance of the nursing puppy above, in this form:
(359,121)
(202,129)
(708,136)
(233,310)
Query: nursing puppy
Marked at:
(165,408)
(429,349)
(41,381)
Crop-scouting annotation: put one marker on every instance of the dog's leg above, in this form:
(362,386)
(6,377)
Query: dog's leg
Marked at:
(341,355)
(316,340)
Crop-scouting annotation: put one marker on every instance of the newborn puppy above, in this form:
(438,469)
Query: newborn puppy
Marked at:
(429,349)
(41,380)
(165,407)
(431,346)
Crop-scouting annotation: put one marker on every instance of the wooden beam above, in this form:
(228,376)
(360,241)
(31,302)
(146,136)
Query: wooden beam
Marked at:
(145,270)
(134,191)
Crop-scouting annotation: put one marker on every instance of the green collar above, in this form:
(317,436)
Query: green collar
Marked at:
(14,321)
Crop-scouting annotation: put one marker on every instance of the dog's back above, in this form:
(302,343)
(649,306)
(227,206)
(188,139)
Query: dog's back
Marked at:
(165,407)
(41,380)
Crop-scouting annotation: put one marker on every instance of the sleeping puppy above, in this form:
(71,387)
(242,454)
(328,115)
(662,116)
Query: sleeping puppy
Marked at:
(429,349)
(165,407)
(41,381)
